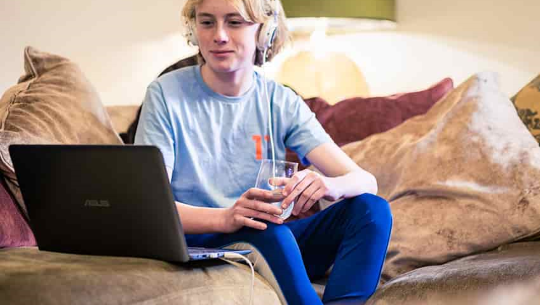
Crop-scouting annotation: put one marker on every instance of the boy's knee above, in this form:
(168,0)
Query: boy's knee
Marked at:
(276,239)
(274,232)
(373,206)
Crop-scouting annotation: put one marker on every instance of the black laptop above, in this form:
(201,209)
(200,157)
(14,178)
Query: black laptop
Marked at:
(103,200)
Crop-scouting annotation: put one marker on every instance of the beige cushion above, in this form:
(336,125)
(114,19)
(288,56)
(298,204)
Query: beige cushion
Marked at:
(52,103)
(527,102)
(122,116)
(461,179)
(30,276)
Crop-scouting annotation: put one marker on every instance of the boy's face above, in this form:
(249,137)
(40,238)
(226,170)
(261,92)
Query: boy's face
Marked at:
(226,41)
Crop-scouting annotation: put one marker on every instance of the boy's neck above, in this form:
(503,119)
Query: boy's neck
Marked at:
(229,83)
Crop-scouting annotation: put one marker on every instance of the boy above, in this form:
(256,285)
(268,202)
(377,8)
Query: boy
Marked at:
(210,122)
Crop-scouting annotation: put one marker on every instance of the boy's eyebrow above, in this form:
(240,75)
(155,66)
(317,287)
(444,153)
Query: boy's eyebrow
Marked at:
(210,15)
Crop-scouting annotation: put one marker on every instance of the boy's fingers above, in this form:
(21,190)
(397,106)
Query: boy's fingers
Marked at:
(262,215)
(254,224)
(261,195)
(263,207)
(278,181)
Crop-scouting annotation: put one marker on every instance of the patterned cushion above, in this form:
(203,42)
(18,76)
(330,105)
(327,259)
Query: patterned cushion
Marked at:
(14,230)
(527,102)
(461,179)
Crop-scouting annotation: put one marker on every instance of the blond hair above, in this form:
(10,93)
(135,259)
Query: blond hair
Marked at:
(256,11)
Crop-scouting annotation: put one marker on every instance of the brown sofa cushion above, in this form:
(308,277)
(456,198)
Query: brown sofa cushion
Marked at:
(30,276)
(357,118)
(507,275)
(53,102)
(14,230)
(463,178)
(527,102)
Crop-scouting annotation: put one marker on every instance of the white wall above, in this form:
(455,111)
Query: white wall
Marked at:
(455,38)
(122,45)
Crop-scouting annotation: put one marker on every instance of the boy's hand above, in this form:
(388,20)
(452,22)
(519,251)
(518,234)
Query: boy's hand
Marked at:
(306,187)
(255,203)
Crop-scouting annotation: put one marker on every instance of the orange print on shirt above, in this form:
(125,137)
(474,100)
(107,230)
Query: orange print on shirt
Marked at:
(258,145)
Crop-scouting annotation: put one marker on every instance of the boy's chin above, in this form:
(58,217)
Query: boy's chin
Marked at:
(226,67)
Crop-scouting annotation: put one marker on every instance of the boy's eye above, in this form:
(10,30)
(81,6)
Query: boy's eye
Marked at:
(236,22)
(206,22)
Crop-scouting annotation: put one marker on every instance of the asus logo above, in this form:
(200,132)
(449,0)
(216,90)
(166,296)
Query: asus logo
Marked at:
(97,203)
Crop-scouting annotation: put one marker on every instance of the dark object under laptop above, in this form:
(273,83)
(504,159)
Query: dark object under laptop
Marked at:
(103,200)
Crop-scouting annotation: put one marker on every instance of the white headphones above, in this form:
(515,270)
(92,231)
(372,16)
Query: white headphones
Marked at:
(190,33)
(266,37)
(268,31)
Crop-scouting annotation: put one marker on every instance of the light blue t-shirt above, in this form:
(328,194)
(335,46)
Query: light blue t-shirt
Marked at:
(212,144)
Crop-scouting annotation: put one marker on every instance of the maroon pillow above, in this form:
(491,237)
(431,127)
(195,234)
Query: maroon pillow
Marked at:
(14,230)
(357,118)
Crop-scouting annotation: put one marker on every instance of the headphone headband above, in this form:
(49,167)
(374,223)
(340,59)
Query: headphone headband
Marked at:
(266,37)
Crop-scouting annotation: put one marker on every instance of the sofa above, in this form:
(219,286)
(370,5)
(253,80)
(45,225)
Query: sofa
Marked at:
(466,226)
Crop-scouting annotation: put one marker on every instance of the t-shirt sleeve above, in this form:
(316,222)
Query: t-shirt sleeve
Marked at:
(305,132)
(155,126)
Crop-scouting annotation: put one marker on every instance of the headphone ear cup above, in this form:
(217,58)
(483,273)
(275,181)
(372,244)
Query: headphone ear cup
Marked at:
(191,35)
(266,35)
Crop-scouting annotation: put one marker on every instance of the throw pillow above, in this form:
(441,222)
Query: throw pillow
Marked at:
(527,102)
(53,102)
(14,230)
(122,117)
(463,178)
(357,118)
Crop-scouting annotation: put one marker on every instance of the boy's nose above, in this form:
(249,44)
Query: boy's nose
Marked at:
(220,36)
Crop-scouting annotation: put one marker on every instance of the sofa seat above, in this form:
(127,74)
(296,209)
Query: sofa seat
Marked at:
(508,275)
(30,276)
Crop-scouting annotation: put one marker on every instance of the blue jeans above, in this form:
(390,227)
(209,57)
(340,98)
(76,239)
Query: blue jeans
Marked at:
(352,235)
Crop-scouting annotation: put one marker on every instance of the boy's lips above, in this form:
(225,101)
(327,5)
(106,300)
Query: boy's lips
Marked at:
(224,53)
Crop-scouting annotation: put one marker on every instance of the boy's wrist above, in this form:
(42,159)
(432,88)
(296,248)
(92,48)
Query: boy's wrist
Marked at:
(220,220)
(336,187)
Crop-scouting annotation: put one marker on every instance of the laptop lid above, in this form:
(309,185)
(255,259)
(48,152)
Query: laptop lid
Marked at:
(103,200)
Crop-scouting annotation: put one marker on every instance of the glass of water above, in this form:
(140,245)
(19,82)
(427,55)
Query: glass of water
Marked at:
(279,169)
